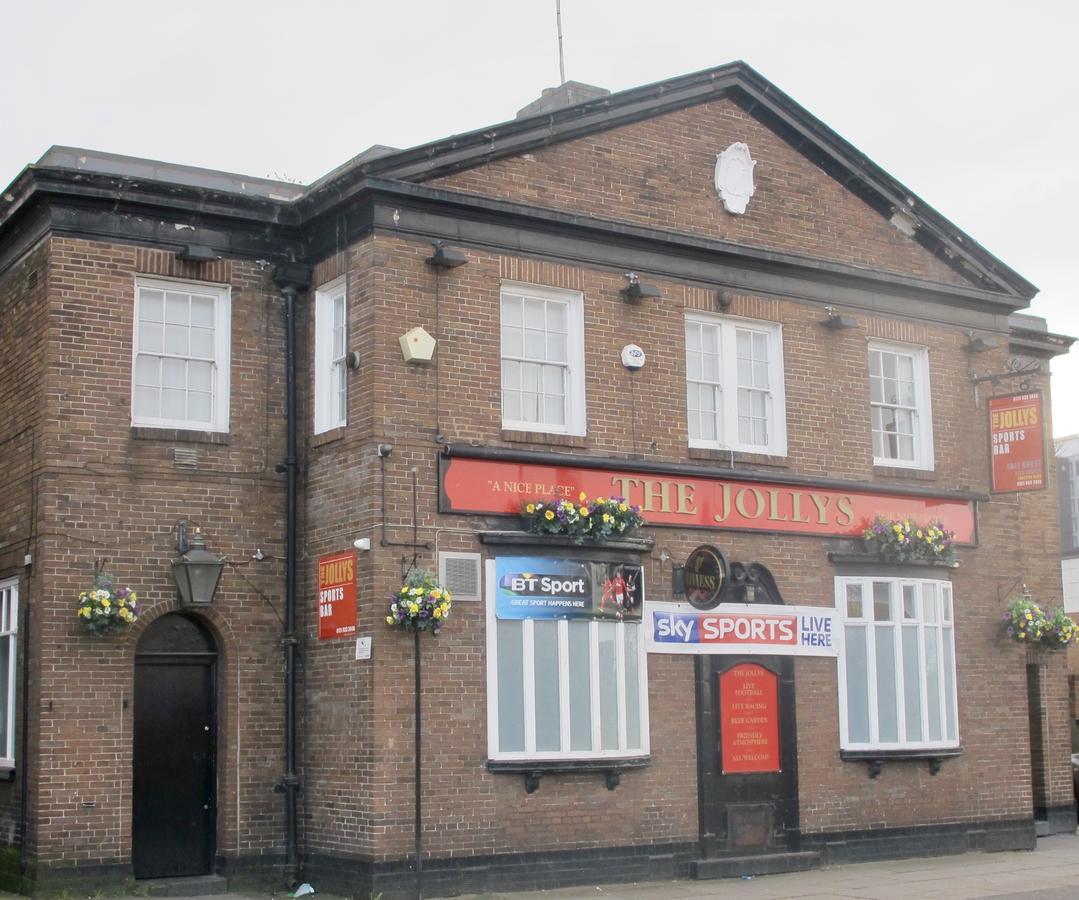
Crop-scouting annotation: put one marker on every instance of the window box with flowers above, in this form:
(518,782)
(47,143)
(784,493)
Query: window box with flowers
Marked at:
(599,520)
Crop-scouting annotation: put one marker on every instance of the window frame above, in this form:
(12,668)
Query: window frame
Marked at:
(325,398)
(575,365)
(944,633)
(222,360)
(777,400)
(923,405)
(9,603)
(528,665)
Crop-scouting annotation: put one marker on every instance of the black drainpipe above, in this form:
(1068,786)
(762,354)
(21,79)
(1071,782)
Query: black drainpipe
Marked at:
(291,279)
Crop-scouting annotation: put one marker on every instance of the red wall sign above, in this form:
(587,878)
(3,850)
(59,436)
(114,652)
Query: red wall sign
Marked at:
(1018,446)
(749,719)
(498,486)
(337,595)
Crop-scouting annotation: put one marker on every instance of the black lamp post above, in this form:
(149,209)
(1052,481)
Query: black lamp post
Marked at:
(197,571)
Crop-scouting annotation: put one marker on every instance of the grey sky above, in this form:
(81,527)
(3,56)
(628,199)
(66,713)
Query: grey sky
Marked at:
(973,105)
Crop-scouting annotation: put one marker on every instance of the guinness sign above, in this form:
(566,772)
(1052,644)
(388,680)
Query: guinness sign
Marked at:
(705,575)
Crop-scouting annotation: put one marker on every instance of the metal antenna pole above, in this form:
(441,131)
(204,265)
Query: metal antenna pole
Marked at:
(561,55)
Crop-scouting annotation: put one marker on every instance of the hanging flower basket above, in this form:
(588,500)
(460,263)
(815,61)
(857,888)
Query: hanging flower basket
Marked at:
(1027,623)
(420,604)
(903,540)
(599,520)
(106,608)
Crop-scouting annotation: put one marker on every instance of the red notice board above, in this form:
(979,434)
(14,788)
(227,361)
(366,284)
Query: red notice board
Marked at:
(337,595)
(749,719)
(1017,442)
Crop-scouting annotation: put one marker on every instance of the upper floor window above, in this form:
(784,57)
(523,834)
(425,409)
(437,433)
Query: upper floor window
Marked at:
(897,685)
(899,399)
(331,341)
(9,622)
(542,359)
(181,355)
(734,384)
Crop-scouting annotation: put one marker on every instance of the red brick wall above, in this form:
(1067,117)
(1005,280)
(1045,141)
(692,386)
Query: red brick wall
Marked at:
(470,811)
(660,173)
(108,496)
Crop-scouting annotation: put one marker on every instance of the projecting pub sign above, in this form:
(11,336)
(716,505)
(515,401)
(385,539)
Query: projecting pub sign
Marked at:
(1016,439)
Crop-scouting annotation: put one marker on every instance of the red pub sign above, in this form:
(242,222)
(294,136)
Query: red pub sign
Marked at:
(749,719)
(1016,436)
(501,487)
(337,595)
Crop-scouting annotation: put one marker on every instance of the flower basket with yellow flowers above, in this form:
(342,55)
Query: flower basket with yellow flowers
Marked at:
(420,604)
(106,607)
(903,540)
(600,519)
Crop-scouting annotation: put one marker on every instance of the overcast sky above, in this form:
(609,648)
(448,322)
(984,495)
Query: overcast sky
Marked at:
(973,105)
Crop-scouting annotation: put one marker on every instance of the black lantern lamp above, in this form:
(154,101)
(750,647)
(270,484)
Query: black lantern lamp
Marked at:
(197,571)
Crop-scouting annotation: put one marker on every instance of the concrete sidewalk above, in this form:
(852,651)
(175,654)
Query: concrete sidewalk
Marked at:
(1051,872)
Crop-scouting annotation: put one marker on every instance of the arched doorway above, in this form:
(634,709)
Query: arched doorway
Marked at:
(174,803)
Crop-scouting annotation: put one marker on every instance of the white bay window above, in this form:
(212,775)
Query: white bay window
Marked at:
(897,683)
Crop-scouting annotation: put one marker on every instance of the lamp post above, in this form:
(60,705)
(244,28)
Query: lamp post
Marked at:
(197,571)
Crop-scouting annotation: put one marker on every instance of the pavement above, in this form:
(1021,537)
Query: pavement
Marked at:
(1050,872)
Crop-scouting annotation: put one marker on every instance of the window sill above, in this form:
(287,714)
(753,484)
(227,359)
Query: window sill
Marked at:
(903,472)
(881,566)
(527,538)
(533,770)
(514,436)
(876,758)
(328,436)
(734,457)
(146,433)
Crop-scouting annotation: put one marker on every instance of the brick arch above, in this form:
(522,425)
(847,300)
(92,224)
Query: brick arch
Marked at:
(228,727)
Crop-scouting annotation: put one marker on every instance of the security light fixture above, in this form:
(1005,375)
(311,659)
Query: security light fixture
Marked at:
(446,259)
(197,571)
(980,343)
(635,291)
(836,322)
(197,253)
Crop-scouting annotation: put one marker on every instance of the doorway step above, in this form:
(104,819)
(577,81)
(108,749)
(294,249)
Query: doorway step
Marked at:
(186,886)
(755,864)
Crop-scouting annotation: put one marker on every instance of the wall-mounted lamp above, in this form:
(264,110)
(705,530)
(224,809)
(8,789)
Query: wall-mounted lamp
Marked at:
(417,346)
(724,299)
(197,253)
(635,291)
(446,259)
(836,322)
(352,359)
(980,343)
(197,571)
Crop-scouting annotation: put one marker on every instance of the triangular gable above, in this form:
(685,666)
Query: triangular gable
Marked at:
(952,250)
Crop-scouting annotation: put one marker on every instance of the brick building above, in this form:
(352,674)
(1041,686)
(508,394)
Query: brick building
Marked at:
(819,346)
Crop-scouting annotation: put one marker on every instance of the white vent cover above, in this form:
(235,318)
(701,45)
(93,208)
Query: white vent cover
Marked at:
(460,573)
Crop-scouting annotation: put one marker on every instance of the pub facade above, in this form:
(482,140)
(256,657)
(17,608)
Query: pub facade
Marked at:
(691,302)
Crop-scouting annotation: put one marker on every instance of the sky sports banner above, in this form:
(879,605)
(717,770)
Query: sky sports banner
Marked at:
(741,628)
(535,587)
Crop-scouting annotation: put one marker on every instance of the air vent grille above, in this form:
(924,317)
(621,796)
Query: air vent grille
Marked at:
(460,573)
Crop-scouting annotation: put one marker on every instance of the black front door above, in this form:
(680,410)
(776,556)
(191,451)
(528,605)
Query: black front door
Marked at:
(173,802)
(747,776)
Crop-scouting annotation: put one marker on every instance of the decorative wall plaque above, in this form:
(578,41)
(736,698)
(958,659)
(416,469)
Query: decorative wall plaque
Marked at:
(734,177)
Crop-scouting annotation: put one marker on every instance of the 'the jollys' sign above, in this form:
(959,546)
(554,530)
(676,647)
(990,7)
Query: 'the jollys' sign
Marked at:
(734,628)
(1018,445)
(704,576)
(502,487)
(533,587)
(336,595)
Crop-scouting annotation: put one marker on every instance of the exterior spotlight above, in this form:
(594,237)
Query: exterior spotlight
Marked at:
(197,571)
(980,343)
(197,253)
(446,259)
(836,322)
(635,291)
